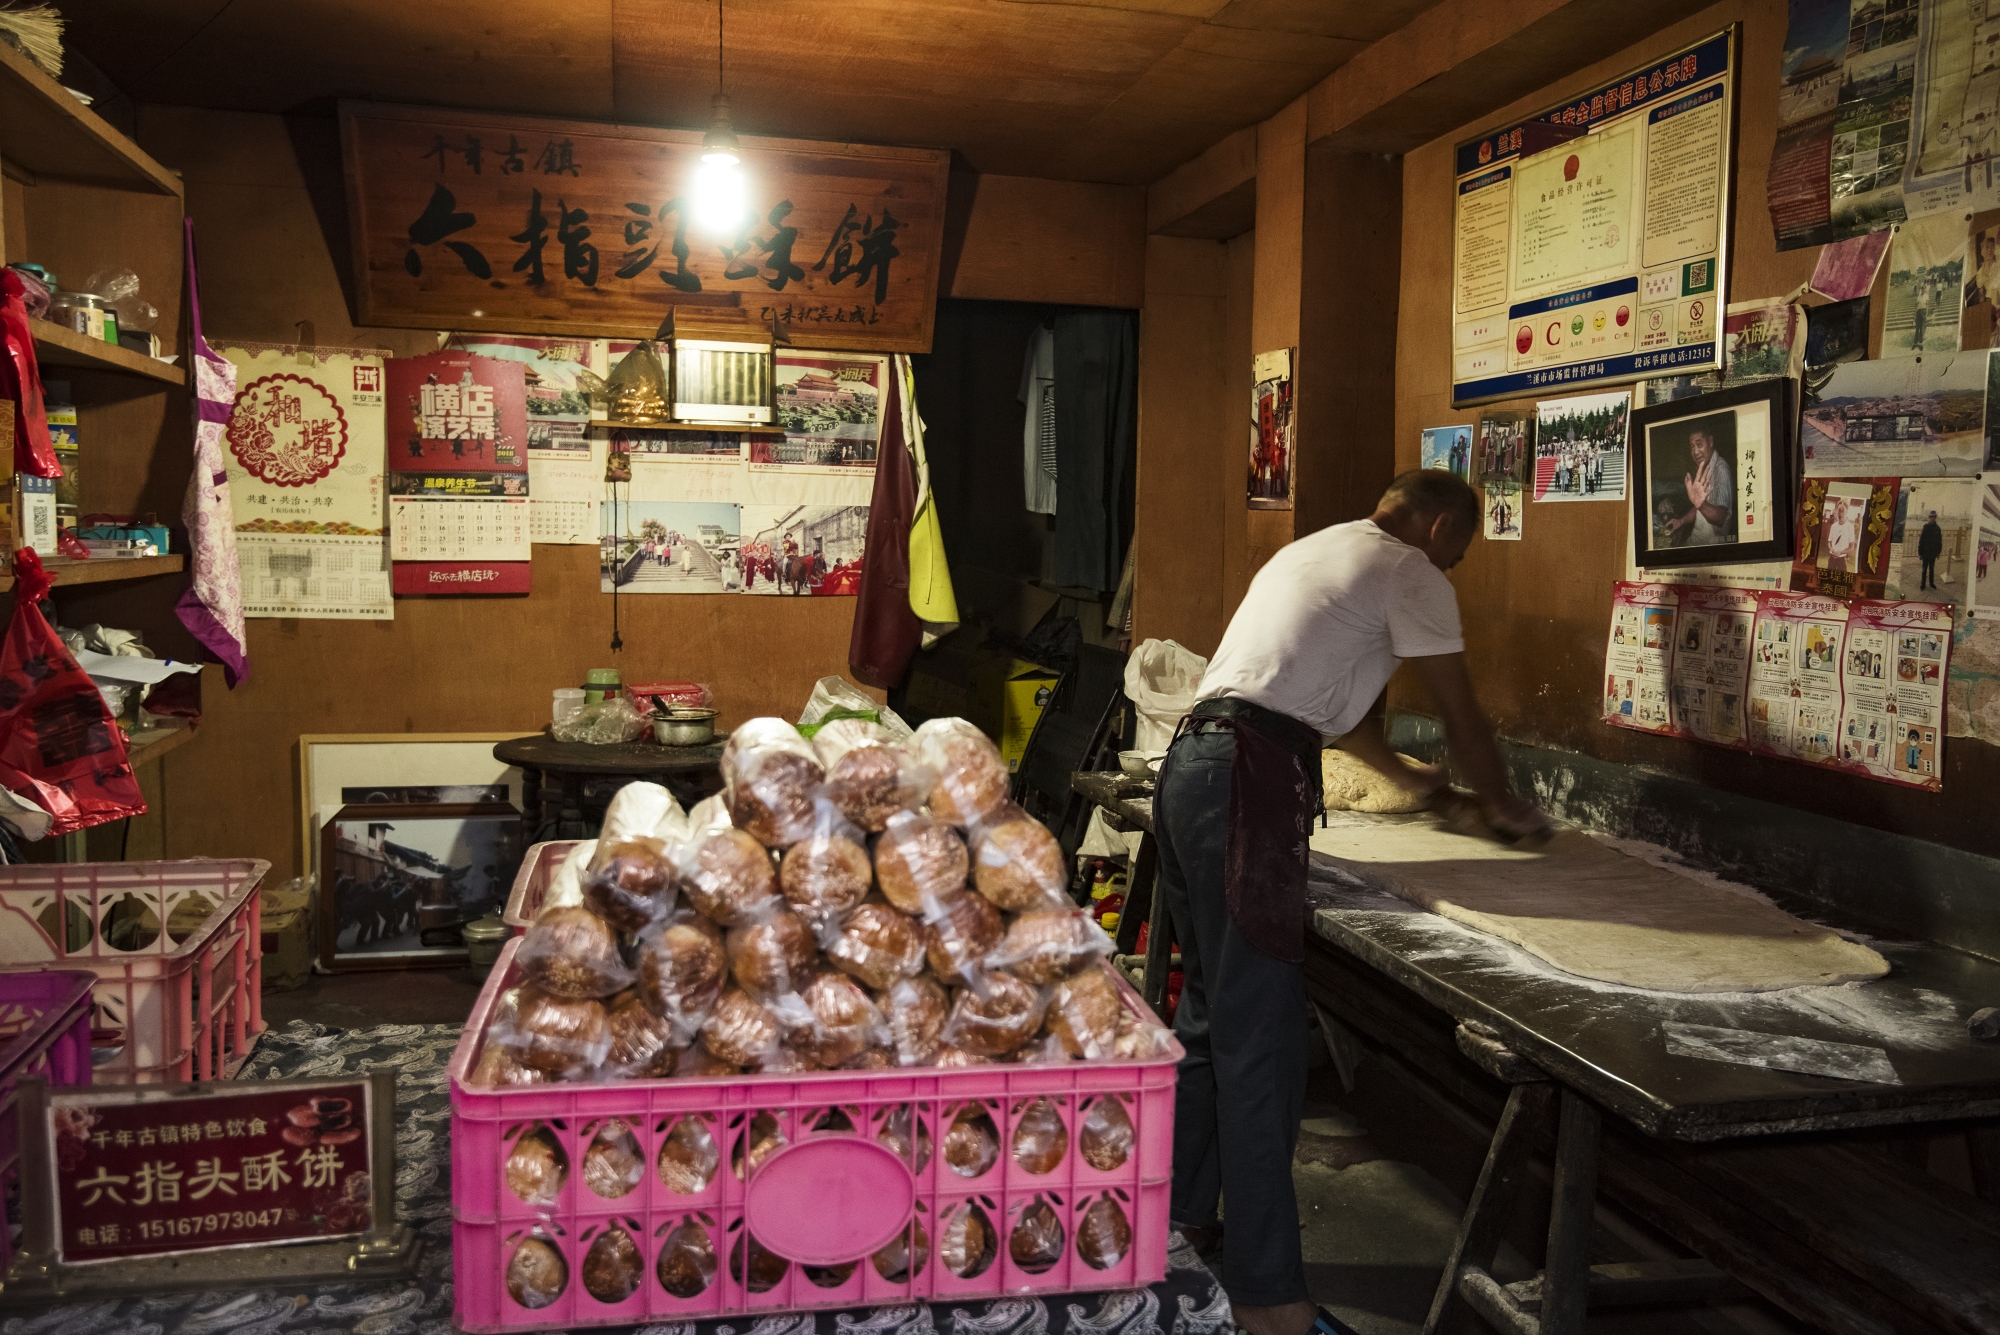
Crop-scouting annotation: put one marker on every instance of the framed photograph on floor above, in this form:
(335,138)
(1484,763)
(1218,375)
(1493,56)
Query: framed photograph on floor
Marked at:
(1714,478)
(336,769)
(399,880)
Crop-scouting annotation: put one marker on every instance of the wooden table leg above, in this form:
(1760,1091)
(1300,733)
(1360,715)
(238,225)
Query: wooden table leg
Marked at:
(1139,890)
(531,805)
(1521,1120)
(1566,1279)
(569,820)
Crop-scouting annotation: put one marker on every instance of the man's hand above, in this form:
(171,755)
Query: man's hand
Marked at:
(1697,483)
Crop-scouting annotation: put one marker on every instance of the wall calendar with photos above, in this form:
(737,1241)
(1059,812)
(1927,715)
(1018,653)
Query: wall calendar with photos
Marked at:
(1590,243)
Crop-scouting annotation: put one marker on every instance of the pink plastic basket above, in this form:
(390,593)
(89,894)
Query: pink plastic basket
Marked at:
(179,992)
(538,867)
(45,1026)
(822,1206)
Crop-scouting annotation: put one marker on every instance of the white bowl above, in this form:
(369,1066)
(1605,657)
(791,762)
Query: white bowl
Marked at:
(1140,764)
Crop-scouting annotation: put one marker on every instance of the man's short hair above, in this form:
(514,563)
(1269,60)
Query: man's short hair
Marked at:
(1431,492)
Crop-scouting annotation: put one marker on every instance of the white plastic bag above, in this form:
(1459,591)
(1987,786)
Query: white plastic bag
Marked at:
(831,693)
(1161,678)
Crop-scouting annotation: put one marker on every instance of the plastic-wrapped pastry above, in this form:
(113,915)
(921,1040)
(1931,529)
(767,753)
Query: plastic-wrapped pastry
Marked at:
(769,775)
(878,944)
(949,1057)
(688,1157)
(727,875)
(1141,1040)
(827,872)
(1105,1141)
(971,1144)
(994,1025)
(1016,862)
(1037,1240)
(571,952)
(630,884)
(567,1037)
(698,1063)
(1103,1235)
(1084,1012)
(497,1067)
(772,958)
(1042,1049)
(759,1142)
(687,1261)
(915,1009)
(1049,945)
(766,1270)
(740,1031)
(565,888)
(643,1045)
(681,968)
(613,1165)
(845,1022)
(919,861)
(895,1137)
(641,810)
(967,1245)
(536,1273)
(612,1268)
(786,1059)
(1040,1138)
(960,934)
(903,1255)
(971,779)
(870,1059)
(536,1167)
(868,777)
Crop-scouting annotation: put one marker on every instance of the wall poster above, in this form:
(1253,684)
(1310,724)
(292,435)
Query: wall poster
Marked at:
(1603,257)
(1271,431)
(565,475)
(458,480)
(304,453)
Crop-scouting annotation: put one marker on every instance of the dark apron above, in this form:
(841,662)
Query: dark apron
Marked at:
(1274,792)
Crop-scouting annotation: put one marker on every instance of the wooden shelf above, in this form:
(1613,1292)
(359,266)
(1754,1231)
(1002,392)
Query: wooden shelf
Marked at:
(47,132)
(152,743)
(58,345)
(103,569)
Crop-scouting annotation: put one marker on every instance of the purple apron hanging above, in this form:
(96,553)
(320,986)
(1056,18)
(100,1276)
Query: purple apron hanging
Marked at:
(212,607)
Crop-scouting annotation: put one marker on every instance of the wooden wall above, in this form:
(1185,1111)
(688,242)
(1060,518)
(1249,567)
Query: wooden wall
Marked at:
(267,198)
(1537,611)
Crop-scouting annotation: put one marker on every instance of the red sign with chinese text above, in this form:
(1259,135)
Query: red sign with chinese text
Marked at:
(457,411)
(158,1175)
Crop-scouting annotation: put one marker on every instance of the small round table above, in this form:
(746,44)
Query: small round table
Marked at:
(556,778)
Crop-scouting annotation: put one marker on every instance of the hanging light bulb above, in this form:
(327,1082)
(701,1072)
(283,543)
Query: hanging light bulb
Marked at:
(719,194)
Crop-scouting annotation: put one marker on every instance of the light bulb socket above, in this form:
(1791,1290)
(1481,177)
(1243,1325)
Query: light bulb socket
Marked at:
(719,144)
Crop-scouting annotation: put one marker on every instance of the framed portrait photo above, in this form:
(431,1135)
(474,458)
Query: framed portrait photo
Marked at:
(399,880)
(1714,477)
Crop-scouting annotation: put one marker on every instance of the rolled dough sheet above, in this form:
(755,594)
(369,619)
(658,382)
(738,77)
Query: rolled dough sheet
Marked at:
(1595,912)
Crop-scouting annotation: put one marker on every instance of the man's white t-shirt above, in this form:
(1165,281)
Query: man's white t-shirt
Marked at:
(1326,623)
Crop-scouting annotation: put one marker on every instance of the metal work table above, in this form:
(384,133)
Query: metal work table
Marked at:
(1128,802)
(689,772)
(1454,1002)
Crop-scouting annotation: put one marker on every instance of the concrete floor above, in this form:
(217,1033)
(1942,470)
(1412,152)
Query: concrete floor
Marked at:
(1381,1176)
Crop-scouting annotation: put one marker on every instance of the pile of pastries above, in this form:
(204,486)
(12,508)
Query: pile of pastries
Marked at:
(847,902)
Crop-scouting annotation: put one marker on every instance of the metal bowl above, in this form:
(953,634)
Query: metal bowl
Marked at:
(684,726)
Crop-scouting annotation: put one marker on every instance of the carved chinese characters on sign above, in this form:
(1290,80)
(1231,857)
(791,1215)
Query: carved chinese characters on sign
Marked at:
(166,1175)
(469,221)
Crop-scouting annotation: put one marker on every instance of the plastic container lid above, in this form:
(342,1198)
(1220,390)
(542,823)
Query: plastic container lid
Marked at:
(601,677)
(569,692)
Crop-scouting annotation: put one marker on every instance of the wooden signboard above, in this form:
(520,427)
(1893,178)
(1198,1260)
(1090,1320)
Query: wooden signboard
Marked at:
(467,220)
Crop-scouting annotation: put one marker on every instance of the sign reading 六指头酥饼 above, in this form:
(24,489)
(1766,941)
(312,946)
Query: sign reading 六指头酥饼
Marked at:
(467,220)
(154,1174)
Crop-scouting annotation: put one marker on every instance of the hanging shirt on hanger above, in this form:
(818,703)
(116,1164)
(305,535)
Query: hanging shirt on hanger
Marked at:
(1038,432)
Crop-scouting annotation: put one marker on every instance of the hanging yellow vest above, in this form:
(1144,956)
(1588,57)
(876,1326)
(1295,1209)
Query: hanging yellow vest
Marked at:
(931,595)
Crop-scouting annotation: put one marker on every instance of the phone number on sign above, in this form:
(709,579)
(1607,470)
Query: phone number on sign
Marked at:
(191,1225)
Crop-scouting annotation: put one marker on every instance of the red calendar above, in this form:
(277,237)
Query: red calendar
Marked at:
(458,474)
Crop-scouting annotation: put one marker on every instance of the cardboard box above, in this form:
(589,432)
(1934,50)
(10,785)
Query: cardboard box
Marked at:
(1024,695)
(288,937)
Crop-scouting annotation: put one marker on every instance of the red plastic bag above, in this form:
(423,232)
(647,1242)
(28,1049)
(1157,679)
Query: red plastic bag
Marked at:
(21,381)
(58,742)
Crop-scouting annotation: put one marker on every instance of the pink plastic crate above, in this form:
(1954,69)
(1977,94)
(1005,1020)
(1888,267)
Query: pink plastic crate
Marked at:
(538,867)
(45,1027)
(164,1009)
(819,1204)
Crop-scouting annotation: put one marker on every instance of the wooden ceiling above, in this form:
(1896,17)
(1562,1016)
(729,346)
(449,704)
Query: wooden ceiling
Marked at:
(1093,90)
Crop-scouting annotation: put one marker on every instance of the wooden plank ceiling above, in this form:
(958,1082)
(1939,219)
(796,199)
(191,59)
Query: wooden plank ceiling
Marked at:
(1093,90)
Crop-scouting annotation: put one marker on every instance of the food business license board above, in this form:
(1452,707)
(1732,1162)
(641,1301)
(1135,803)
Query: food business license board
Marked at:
(1601,258)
